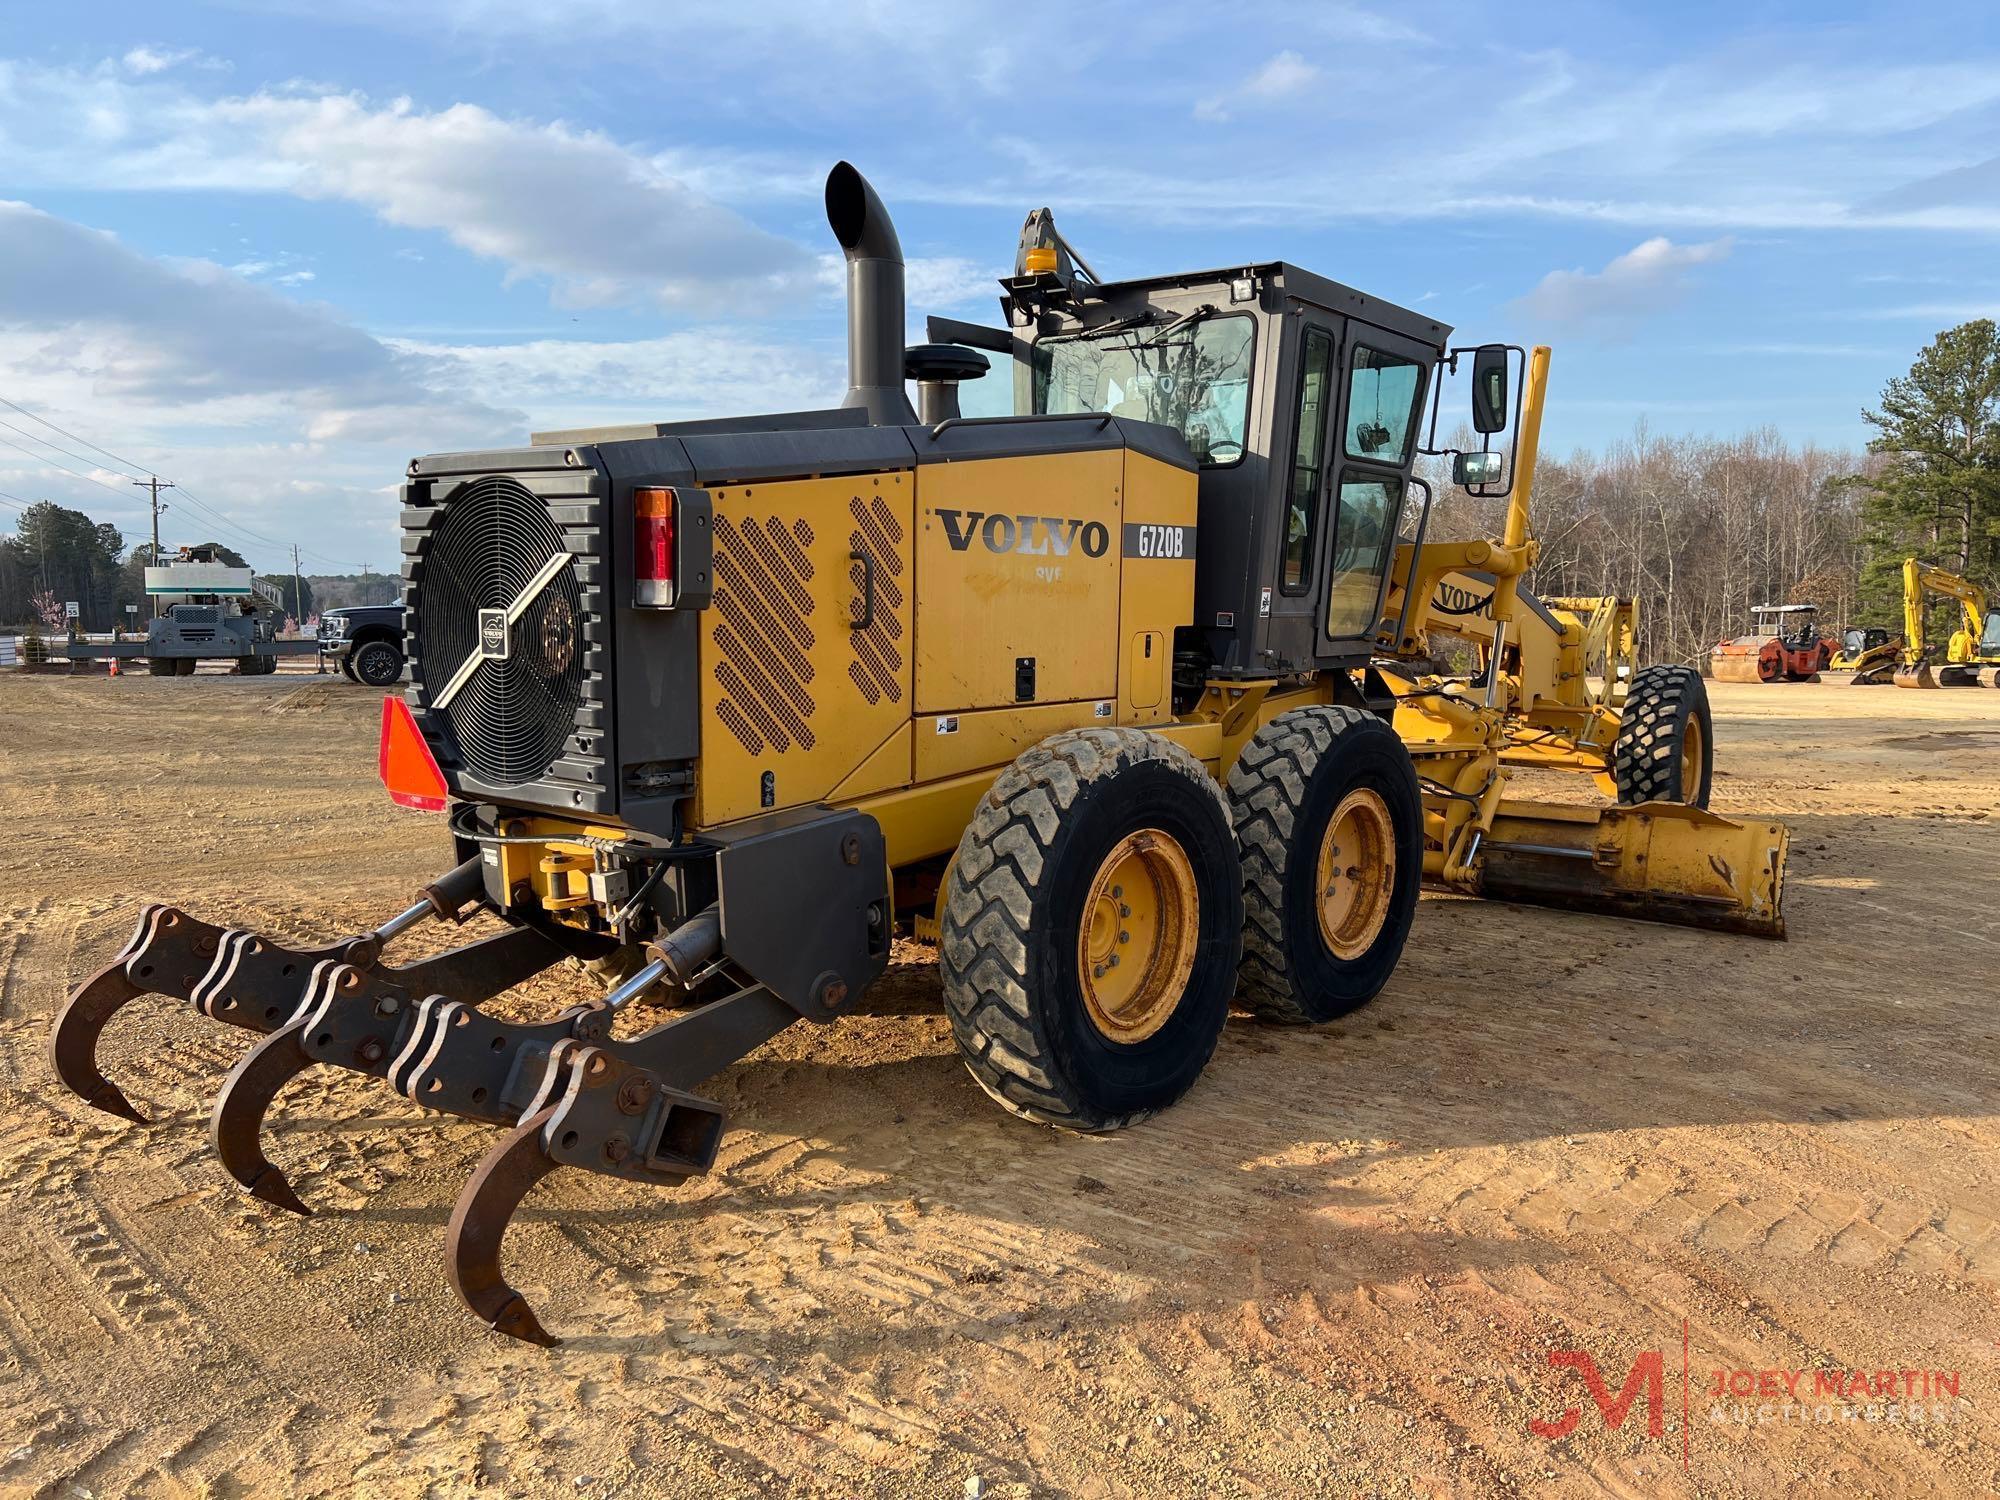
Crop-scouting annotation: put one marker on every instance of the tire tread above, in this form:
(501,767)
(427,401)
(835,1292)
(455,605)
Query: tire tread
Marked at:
(983,946)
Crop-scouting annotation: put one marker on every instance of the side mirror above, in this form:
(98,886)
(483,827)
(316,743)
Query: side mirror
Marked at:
(1489,388)
(1474,470)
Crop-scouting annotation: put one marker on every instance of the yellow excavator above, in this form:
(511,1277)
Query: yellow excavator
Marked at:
(1972,653)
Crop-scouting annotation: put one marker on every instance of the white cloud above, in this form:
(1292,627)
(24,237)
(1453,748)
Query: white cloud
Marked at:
(712,371)
(1646,279)
(1284,76)
(1350,23)
(142,353)
(145,60)
(932,283)
(602,222)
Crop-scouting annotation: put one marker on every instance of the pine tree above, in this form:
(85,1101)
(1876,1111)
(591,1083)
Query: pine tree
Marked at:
(1937,493)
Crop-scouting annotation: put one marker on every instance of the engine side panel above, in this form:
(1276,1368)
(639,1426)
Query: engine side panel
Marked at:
(1017,559)
(806,649)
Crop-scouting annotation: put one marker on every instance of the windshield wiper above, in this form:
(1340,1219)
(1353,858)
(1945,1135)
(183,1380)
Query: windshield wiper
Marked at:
(1186,319)
(1119,325)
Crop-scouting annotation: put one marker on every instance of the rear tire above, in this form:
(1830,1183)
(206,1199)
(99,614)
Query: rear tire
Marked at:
(1097,851)
(376,664)
(1665,750)
(1315,788)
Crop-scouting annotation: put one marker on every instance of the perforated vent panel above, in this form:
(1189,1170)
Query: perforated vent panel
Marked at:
(764,633)
(878,651)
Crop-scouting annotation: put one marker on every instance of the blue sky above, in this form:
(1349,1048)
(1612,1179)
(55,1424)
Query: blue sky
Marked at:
(273,249)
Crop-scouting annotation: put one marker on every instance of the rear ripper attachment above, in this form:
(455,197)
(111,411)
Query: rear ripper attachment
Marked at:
(566,1090)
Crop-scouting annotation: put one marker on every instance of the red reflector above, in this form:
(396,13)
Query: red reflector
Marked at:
(409,770)
(653,547)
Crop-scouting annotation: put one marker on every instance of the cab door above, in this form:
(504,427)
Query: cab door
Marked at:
(1382,382)
(1301,451)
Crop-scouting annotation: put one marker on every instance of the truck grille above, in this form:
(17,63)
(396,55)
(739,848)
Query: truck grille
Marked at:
(526,717)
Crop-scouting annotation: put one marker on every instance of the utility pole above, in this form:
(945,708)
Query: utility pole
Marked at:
(298,590)
(155,484)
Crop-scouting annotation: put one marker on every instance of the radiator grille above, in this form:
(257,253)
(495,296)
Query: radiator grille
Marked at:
(514,715)
(763,631)
(878,654)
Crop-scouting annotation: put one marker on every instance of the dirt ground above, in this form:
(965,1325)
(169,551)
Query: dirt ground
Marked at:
(1342,1265)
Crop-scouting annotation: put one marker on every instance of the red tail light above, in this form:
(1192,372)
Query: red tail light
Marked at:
(653,581)
(409,770)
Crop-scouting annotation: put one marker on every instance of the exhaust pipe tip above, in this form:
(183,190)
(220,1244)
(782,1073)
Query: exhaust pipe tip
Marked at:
(867,237)
(857,218)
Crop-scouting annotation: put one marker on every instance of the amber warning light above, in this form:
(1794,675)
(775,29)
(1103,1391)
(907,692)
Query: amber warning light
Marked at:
(409,770)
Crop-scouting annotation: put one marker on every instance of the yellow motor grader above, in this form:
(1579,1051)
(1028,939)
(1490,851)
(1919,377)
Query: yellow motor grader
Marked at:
(1093,689)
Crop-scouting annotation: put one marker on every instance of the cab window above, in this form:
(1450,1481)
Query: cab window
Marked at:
(1192,373)
(1302,511)
(1364,535)
(1382,394)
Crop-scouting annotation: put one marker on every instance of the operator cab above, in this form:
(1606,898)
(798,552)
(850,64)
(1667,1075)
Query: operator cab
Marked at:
(1301,401)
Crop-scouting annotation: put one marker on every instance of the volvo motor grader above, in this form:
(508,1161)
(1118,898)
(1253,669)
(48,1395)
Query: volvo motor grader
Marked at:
(1089,692)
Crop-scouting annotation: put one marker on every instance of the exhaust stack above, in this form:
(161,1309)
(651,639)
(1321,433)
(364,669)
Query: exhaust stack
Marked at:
(874,297)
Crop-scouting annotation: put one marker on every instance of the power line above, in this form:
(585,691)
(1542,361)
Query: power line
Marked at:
(215,517)
(74,437)
(215,514)
(42,458)
(31,437)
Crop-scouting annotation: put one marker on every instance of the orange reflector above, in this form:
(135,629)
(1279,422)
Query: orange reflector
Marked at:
(409,770)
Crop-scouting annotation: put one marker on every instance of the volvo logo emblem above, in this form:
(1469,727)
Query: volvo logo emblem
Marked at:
(558,635)
(493,634)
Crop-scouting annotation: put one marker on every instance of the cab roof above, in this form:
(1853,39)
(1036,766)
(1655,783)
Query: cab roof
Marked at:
(1293,281)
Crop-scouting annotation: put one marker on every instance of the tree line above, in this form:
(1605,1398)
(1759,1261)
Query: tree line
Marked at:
(1699,530)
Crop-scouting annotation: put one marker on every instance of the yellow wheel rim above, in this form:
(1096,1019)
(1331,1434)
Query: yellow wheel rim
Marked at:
(1693,752)
(1135,944)
(1355,875)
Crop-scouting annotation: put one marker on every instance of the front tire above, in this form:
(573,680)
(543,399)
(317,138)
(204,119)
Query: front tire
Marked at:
(184,666)
(1092,924)
(159,666)
(1665,750)
(376,664)
(1330,826)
